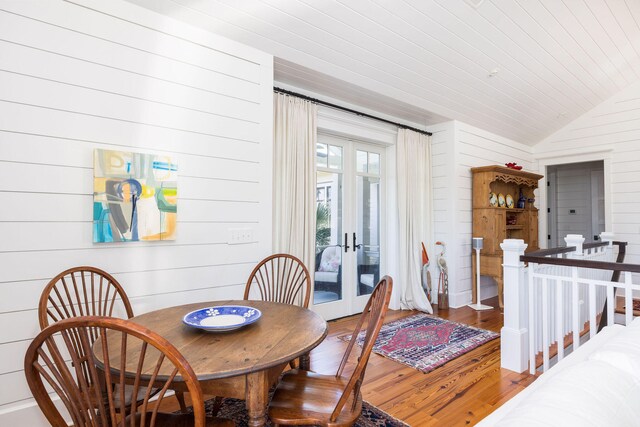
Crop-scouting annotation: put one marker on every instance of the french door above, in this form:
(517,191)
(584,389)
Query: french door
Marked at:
(349,218)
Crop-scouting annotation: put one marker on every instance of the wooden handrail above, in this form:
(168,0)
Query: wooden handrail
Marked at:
(552,251)
(566,249)
(540,257)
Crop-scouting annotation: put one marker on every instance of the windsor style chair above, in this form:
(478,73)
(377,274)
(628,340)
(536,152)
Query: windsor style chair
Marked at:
(82,291)
(307,398)
(280,278)
(87,291)
(81,385)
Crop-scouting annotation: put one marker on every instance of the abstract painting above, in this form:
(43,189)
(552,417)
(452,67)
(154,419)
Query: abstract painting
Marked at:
(135,197)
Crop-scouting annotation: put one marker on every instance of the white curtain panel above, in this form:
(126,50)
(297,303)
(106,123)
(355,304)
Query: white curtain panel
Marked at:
(414,186)
(294,180)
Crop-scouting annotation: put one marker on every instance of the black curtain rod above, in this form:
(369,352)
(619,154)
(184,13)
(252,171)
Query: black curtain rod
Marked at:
(349,110)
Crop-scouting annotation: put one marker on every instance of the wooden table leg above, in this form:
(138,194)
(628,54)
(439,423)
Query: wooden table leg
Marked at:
(305,362)
(257,393)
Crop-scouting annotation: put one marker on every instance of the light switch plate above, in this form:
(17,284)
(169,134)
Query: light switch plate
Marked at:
(240,235)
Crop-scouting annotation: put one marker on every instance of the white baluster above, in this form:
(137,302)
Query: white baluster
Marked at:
(545,324)
(593,327)
(628,298)
(559,318)
(576,307)
(611,306)
(532,323)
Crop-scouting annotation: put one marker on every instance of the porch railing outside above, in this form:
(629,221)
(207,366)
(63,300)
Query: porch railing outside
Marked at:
(557,293)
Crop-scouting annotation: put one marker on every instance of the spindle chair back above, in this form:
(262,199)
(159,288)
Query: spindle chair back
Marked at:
(280,278)
(79,383)
(308,398)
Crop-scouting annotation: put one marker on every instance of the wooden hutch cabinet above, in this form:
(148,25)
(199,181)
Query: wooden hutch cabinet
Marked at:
(494,221)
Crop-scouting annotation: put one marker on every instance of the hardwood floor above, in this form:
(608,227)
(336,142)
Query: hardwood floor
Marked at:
(460,393)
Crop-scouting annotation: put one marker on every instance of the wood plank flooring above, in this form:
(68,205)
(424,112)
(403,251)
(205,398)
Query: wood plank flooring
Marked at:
(460,393)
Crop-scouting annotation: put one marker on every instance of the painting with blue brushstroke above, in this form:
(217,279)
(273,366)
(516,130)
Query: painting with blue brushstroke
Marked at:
(135,196)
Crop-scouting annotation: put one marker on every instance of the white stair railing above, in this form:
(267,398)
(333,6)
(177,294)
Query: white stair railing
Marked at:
(553,297)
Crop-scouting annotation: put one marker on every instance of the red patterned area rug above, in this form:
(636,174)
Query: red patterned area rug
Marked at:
(371,416)
(425,342)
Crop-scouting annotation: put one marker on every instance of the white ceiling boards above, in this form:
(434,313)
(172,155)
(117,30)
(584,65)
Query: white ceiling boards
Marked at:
(518,68)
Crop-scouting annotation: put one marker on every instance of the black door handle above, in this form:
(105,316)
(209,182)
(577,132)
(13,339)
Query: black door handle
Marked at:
(346,243)
(354,243)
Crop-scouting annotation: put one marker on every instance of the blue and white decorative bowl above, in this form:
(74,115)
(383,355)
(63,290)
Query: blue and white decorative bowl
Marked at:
(222,318)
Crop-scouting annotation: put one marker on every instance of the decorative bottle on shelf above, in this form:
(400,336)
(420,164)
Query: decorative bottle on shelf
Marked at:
(521,200)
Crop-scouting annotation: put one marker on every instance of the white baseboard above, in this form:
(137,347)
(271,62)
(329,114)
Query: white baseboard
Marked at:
(23,414)
(28,413)
(461,299)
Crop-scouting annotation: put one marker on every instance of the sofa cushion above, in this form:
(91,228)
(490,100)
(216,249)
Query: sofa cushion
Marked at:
(590,393)
(623,350)
(331,259)
(326,276)
(367,280)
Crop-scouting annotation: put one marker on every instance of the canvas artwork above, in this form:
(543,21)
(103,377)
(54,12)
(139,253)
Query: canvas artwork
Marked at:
(135,197)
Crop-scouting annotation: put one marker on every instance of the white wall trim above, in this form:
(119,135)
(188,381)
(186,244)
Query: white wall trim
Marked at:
(567,156)
(347,125)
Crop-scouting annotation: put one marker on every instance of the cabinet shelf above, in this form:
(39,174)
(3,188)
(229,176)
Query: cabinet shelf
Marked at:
(490,222)
(510,210)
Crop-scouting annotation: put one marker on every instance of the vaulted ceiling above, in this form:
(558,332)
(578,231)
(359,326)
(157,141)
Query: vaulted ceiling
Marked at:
(518,68)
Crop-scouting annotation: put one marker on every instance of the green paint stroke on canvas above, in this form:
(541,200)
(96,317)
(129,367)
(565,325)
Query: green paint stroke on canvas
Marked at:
(135,196)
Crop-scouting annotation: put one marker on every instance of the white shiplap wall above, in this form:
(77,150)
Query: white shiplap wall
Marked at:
(609,132)
(457,147)
(442,175)
(476,147)
(76,76)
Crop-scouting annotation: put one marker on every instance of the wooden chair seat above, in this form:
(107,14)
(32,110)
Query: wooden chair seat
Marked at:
(305,397)
(128,393)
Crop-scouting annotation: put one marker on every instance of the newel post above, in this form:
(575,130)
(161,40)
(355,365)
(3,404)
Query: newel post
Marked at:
(514,341)
(608,236)
(575,240)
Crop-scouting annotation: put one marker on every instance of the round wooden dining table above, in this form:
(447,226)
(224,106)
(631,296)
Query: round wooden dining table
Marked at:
(242,363)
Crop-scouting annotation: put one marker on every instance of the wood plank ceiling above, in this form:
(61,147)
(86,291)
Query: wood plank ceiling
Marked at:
(518,68)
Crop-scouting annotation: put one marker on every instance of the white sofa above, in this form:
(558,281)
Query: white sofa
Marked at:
(597,385)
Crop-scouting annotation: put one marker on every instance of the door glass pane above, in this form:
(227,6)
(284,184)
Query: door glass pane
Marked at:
(361,161)
(328,274)
(335,157)
(374,164)
(321,155)
(368,233)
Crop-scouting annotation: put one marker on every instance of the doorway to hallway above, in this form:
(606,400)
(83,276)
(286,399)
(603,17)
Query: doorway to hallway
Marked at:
(575,201)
